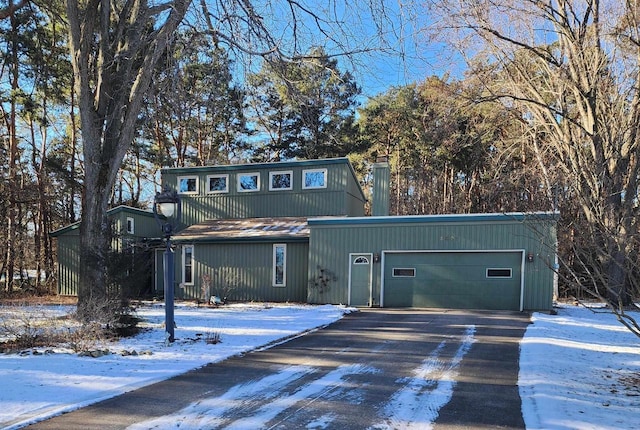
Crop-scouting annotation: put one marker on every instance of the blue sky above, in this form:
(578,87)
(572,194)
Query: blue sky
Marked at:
(388,38)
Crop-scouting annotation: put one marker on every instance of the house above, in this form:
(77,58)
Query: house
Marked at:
(296,231)
(132,229)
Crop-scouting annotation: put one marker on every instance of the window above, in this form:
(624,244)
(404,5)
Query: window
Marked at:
(404,272)
(280,181)
(279,265)
(361,260)
(130,225)
(188,184)
(314,178)
(248,182)
(499,273)
(217,184)
(187,264)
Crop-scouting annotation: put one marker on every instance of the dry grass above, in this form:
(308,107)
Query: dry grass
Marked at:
(26,321)
(17,298)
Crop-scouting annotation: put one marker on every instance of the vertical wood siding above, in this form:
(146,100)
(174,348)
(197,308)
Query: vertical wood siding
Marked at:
(330,245)
(244,271)
(341,197)
(68,264)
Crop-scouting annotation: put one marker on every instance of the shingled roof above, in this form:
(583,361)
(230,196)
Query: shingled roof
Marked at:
(246,229)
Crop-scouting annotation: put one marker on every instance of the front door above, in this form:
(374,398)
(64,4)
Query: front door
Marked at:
(360,268)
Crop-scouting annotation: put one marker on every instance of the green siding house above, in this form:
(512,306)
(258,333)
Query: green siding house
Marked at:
(131,227)
(296,231)
(477,261)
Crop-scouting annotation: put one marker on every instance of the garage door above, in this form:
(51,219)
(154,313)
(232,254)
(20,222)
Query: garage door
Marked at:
(456,280)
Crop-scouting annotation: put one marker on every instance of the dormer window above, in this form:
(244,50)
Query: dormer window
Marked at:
(217,184)
(280,181)
(188,184)
(314,178)
(248,182)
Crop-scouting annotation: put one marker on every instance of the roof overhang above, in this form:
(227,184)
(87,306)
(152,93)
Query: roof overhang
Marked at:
(290,229)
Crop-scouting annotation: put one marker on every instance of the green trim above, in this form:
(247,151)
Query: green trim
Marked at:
(66,229)
(427,219)
(129,209)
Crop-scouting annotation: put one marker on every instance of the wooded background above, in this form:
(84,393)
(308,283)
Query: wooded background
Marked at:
(543,115)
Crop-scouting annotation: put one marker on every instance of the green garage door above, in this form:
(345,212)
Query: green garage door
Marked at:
(455,280)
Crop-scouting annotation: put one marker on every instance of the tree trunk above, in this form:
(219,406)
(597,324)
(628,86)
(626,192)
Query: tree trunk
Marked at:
(112,73)
(13,159)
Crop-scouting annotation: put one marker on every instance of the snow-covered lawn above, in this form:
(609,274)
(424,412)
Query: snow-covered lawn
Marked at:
(38,386)
(579,369)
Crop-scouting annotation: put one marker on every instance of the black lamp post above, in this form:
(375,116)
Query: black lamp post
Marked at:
(167,203)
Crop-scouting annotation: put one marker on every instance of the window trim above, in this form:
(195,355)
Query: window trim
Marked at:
(361,260)
(184,265)
(274,267)
(489,276)
(225,190)
(187,177)
(238,182)
(281,172)
(393,272)
(313,187)
(130,222)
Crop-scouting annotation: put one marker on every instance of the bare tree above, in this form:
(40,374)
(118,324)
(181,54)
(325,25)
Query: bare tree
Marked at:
(571,68)
(114,46)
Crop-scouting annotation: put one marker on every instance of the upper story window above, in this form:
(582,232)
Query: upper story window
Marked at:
(130,225)
(248,182)
(280,181)
(314,178)
(218,184)
(188,184)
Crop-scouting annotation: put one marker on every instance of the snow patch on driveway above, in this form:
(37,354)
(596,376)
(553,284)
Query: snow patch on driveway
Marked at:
(417,404)
(215,412)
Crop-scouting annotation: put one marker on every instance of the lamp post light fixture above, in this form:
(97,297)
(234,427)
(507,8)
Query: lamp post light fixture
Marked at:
(167,203)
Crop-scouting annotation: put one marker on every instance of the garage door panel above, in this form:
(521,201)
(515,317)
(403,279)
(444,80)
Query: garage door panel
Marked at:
(454,280)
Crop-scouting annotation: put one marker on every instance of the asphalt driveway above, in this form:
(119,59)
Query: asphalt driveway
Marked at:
(375,369)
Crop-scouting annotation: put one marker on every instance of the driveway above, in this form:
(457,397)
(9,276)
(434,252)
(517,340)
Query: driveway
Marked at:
(375,369)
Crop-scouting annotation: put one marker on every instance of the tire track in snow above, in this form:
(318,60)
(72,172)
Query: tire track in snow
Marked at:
(417,404)
(331,383)
(269,395)
(211,412)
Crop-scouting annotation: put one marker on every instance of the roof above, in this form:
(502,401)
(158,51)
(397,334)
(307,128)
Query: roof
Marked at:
(447,218)
(249,229)
(110,212)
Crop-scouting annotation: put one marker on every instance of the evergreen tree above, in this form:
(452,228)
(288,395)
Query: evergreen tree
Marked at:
(306,108)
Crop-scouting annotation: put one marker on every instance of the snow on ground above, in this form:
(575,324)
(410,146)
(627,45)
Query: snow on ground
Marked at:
(50,384)
(410,408)
(578,369)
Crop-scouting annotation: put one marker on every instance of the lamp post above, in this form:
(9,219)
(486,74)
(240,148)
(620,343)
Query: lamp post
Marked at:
(167,203)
